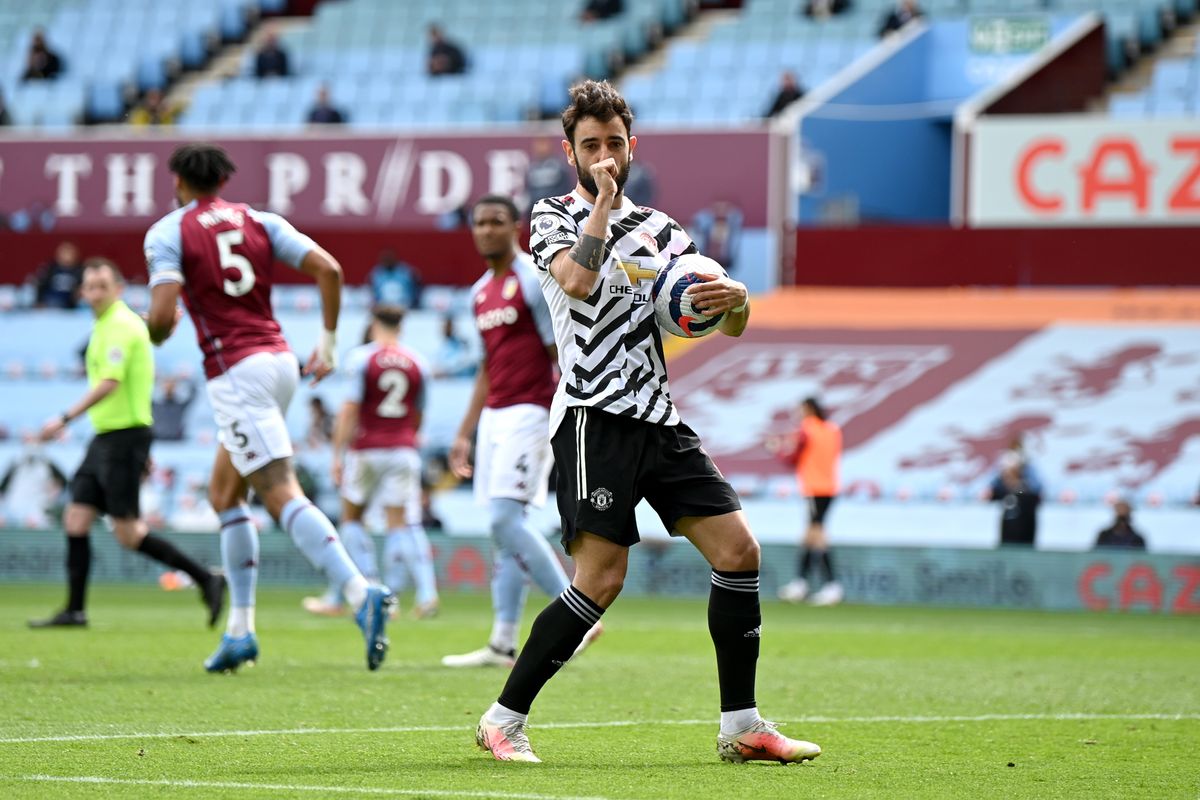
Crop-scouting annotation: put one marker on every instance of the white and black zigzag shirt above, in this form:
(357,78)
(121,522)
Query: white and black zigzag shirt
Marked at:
(609,345)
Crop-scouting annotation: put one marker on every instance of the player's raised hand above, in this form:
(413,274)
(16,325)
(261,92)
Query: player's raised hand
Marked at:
(604,173)
(460,457)
(717,294)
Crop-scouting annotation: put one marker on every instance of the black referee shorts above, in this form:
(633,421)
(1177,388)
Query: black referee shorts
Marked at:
(818,507)
(607,464)
(110,477)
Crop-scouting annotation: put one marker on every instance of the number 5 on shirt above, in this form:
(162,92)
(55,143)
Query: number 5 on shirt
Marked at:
(226,241)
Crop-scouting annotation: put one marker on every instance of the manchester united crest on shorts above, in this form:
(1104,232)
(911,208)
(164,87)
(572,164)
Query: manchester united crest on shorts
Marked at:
(602,499)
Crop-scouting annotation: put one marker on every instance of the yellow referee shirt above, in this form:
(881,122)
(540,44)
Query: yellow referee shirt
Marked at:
(120,351)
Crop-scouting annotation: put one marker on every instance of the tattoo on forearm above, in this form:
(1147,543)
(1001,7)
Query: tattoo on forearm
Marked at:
(588,252)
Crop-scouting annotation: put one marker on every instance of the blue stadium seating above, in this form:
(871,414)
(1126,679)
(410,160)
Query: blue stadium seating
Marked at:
(1174,90)
(522,56)
(108,47)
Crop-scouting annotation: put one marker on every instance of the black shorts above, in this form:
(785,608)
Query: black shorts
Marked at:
(110,477)
(607,464)
(818,507)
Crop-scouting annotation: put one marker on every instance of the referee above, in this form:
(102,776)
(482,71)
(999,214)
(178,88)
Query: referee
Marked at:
(120,370)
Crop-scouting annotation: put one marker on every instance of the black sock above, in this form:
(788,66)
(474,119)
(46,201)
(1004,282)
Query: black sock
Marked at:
(828,565)
(79,564)
(804,563)
(820,560)
(735,622)
(162,550)
(555,634)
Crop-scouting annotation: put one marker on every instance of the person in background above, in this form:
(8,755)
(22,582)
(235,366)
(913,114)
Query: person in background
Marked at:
(1019,493)
(641,186)
(789,92)
(5,117)
(31,487)
(56,283)
(717,231)
(1121,534)
(594,10)
(904,12)
(816,452)
(170,409)
(548,175)
(120,370)
(42,64)
(823,9)
(445,57)
(152,110)
(324,112)
(375,458)
(271,60)
(454,358)
(394,282)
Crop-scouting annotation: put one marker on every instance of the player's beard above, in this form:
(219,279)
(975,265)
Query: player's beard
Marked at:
(588,182)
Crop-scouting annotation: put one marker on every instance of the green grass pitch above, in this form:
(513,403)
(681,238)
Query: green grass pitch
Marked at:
(906,702)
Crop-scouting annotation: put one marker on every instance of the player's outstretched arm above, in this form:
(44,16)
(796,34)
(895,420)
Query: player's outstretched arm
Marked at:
(164,313)
(324,269)
(94,395)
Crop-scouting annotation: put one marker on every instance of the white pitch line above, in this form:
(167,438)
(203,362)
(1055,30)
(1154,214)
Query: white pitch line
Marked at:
(291,787)
(85,737)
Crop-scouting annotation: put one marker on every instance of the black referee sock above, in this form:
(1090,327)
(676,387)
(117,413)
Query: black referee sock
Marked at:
(555,634)
(805,564)
(79,564)
(735,623)
(160,549)
(827,565)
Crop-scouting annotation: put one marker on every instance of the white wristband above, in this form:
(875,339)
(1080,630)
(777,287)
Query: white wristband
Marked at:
(327,348)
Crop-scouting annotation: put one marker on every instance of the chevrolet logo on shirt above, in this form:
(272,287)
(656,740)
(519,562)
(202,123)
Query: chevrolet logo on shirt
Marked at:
(636,272)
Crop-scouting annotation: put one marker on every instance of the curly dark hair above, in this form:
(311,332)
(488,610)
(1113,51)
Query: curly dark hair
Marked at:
(597,99)
(203,167)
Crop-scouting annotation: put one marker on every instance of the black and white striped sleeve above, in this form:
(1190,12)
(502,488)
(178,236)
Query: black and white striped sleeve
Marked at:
(551,229)
(678,242)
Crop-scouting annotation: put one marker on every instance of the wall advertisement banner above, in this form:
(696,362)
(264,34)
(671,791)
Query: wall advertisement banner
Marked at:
(1083,170)
(365,182)
(1003,578)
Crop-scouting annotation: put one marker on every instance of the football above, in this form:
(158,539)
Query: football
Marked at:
(673,304)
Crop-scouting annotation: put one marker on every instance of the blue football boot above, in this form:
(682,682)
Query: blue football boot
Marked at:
(232,653)
(372,618)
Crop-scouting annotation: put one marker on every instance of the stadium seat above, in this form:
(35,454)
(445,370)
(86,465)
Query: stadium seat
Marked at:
(105,102)
(1128,106)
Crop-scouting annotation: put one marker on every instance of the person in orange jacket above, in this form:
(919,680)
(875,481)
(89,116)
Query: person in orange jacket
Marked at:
(817,452)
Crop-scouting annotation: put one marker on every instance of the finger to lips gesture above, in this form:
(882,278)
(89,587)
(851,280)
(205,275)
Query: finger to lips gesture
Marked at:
(604,173)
